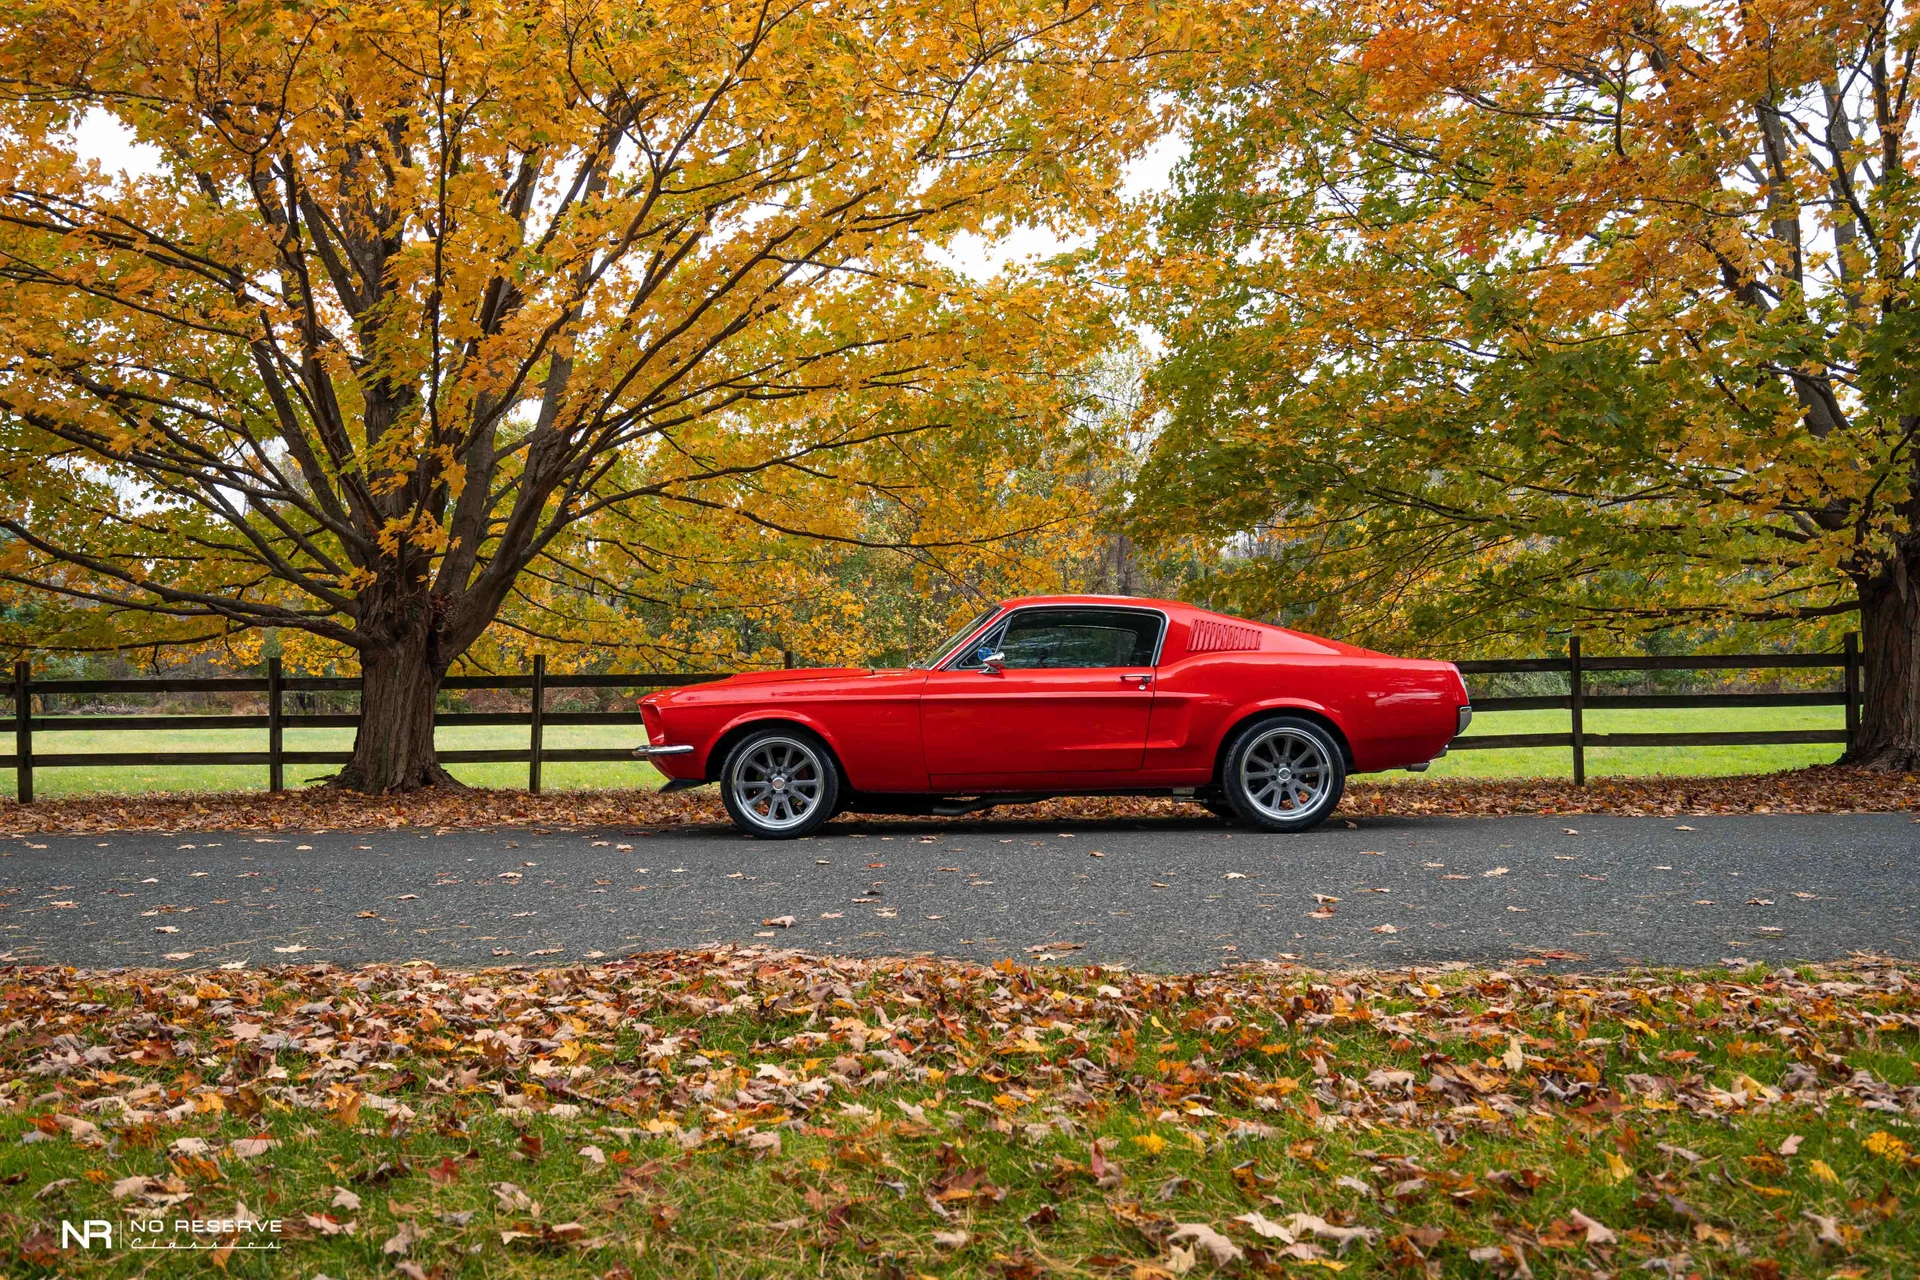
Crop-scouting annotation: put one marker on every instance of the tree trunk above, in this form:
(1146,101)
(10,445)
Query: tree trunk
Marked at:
(393,749)
(1889,736)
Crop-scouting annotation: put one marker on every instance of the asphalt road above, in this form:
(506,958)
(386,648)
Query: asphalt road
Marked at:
(1171,895)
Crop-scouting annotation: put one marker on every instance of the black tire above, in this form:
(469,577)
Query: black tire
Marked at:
(780,783)
(1283,773)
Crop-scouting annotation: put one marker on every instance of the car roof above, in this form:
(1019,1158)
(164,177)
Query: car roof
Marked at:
(1187,612)
(1142,602)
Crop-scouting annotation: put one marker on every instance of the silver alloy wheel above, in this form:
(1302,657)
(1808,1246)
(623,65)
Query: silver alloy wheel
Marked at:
(778,782)
(1285,772)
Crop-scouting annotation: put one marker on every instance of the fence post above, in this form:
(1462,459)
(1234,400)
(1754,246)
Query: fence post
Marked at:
(276,767)
(536,738)
(786,659)
(1579,707)
(1852,664)
(22,733)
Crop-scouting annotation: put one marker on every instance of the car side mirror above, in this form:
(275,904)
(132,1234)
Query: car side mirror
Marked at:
(994,663)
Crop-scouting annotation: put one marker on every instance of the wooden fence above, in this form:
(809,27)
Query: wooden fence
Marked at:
(277,719)
(1578,701)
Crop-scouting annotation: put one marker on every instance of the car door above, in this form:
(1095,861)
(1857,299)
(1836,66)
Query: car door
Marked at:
(1071,698)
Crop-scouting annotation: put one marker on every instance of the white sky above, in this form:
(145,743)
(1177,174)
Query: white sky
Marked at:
(101,137)
(981,258)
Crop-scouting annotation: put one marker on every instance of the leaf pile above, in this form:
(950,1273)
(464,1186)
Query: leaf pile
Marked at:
(759,1112)
(1824,789)
(1821,790)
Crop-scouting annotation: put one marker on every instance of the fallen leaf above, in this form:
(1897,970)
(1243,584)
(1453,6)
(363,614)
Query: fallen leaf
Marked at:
(402,1241)
(779,922)
(1307,1223)
(1266,1228)
(1222,1250)
(1597,1232)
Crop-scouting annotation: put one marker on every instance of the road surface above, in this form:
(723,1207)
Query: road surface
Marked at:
(1169,895)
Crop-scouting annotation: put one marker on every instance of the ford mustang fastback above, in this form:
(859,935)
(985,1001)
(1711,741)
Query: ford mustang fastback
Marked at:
(1062,695)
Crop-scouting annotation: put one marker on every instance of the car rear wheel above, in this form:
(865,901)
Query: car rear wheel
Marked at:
(780,784)
(1283,773)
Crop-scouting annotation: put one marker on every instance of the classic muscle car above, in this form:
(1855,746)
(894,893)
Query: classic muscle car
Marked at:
(1058,695)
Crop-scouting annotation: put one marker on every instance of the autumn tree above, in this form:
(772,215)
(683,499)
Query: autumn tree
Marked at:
(1501,316)
(424,311)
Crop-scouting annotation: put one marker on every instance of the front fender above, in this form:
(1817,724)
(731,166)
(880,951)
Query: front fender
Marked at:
(712,757)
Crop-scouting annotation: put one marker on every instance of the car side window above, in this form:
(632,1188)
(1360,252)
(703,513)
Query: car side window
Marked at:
(1035,639)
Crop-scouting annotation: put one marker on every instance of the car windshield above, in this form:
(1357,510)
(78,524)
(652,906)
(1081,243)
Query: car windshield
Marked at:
(947,646)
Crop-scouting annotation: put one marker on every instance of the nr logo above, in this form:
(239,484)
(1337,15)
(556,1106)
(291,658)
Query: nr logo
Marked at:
(87,1234)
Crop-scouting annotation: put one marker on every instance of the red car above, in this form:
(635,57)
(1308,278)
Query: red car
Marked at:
(1055,695)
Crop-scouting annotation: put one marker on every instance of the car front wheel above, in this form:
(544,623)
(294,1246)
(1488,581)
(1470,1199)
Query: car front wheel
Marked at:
(1283,773)
(780,784)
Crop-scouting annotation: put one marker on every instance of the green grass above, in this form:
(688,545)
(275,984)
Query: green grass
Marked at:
(829,1121)
(1533,763)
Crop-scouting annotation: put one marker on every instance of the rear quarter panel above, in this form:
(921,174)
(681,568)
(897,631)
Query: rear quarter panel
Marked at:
(1393,712)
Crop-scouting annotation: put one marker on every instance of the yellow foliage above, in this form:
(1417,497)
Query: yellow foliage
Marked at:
(485,329)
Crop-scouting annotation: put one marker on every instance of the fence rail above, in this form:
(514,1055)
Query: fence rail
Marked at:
(1576,702)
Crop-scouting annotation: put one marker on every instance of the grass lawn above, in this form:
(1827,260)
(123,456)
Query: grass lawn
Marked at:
(736,1115)
(1533,763)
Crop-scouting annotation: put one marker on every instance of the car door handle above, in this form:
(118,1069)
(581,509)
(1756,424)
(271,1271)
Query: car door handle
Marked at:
(1142,680)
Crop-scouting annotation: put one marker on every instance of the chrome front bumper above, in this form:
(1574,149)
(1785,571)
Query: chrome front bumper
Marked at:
(651,753)
(1466,718)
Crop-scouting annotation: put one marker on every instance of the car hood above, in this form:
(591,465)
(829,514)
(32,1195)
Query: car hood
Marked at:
(795,675)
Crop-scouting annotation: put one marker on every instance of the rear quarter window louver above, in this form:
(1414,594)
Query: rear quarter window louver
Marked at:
(1209,636)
